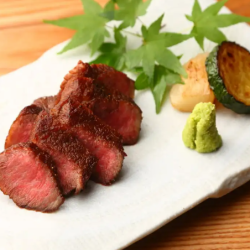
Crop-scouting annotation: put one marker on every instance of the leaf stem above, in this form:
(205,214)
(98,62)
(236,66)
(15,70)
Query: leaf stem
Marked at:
(109,27)
(133,34)
(186,29)
(126,31)
(140,21)
(163,26)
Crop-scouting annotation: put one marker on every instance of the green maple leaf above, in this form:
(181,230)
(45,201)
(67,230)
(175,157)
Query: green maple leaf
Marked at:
(129,11)
(109,10)
(113,54)
(154,50)
(163,78)
(89,27)
(208,22)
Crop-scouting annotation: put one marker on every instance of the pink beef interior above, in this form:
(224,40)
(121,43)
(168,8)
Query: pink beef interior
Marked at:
(69,173)
(115,80)
(109,159)
(74,164)
(125,119)
(21,130)
(100,139)
(116,110)
(29,181)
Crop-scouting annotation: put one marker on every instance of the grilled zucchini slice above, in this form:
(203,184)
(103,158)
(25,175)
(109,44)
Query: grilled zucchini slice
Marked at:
(228,69)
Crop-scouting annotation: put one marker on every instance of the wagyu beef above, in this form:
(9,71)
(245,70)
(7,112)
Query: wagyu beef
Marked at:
(117,110)
(113,80)
(27,176)
(46,103)
(60,142)
(100,139)
(21,128)
(74,163)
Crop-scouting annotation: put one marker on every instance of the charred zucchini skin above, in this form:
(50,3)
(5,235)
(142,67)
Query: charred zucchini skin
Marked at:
(218,87)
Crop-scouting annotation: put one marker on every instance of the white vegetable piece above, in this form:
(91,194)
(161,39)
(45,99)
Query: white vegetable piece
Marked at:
(196,88)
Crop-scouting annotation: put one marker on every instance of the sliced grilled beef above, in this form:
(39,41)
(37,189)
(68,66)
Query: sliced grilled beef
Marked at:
(113,80)
(100,139)
(79,89)
(117,110)
(21,128)
(73,161)
(121,114)
(46,103)
(27,176)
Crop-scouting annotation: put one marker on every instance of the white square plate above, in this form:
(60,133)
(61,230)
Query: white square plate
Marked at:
(161,178)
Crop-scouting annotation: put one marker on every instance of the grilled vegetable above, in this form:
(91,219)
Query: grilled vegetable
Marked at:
(196,88)
(228,69)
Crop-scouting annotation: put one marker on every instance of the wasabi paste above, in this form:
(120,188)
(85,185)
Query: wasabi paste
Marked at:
(200,132)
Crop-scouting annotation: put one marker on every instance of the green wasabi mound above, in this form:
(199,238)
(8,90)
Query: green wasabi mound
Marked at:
(200,132)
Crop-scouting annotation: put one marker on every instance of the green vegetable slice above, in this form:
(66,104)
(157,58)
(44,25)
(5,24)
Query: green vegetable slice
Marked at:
(229,76)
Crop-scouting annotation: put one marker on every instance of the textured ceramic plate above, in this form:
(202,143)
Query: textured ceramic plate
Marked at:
(161,179)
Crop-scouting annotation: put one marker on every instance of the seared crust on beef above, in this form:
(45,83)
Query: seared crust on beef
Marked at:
(70,138)
(46,103)
(118,111)
(113,80)
(101,140)
(72,115)
(122,115)
(81,70)
(115,109)
(74,163)
(21,128)
(79,89)
(36,188)
(32,109)
(104,75)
